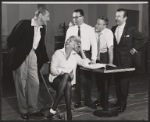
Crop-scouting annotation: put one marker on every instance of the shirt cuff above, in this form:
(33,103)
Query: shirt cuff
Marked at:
(135,50)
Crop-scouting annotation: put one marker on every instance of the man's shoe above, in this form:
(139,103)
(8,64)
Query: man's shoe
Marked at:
(77,105)
(92,106)
(122,108)
(115,105)
(37,115)
(50,115)
(97,102)
(25,116)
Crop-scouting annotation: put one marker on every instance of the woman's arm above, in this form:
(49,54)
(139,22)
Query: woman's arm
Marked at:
(55,69)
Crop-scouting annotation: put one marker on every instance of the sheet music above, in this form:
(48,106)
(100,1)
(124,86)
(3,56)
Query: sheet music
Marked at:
(95,66)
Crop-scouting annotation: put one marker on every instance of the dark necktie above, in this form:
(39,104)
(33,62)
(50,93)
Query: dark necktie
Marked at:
(79,33)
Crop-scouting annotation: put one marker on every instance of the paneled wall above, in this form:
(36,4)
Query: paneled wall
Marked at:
(60,13)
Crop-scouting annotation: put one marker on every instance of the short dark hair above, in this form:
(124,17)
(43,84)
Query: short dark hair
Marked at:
(124,10)
(104,19)
(80,11)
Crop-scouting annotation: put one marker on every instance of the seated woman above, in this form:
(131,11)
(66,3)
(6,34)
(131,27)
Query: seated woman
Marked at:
(63,68)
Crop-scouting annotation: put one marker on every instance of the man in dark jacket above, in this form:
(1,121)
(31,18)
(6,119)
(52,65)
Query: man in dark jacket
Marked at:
(127,41)
(27,54)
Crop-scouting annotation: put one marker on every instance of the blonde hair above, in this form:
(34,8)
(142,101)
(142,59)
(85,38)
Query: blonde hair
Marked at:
(76,39)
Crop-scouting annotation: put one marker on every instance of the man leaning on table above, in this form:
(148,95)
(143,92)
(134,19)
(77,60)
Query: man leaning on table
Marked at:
(104,38)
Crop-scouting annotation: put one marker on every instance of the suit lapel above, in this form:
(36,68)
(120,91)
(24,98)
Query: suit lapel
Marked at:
(115,40)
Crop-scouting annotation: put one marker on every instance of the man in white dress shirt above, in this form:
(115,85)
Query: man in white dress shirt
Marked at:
(89,46)
(27,54)
(104,38)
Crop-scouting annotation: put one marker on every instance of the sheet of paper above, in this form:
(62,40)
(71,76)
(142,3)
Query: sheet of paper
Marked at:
(95,66)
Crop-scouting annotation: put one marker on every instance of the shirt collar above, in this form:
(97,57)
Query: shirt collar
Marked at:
(63,51)
(103,31)
(80,25)
(122,26)
(33,23)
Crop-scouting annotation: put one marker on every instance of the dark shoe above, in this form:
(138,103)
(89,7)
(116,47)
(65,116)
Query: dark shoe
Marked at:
(77,105)
(25,116)
(92,106)
(37,115)
(122,108)
(115,105)
(97,102)
(50,115)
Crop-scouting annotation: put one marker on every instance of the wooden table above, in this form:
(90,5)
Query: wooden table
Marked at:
(107,71)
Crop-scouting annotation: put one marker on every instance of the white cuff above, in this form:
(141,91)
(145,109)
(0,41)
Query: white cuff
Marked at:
(52,111)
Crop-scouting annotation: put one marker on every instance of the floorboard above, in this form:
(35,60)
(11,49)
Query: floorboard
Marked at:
(137,107)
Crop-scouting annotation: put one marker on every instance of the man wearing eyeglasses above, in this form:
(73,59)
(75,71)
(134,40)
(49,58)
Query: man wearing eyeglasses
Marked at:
(89,46)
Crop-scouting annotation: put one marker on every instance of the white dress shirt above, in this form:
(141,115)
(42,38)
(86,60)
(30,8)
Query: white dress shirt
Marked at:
(119,30)
(88,38)
(60,63)
(37,34)
(106,40)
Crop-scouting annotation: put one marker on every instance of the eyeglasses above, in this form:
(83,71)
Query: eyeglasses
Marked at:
(76,17)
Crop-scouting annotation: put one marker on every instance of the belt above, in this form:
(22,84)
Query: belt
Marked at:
(86,50)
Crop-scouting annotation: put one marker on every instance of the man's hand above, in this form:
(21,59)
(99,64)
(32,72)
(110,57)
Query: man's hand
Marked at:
(112,65)
(132,51)
(93,61)
(71,74)
(62,72)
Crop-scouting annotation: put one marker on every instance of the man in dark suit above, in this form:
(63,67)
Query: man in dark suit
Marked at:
(27,54)
(127,41)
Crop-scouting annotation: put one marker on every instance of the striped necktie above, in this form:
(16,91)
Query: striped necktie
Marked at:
(98,47)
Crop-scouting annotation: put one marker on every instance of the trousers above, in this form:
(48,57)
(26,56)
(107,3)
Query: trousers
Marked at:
(27,84)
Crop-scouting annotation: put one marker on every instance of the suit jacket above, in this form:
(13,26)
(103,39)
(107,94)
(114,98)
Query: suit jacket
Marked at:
(20,42)
(131,38)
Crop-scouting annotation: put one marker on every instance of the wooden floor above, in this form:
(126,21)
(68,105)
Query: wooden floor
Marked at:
(137,107)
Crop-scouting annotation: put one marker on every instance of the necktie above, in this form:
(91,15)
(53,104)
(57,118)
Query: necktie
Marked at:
(118,35)
(98,47)
(79,33)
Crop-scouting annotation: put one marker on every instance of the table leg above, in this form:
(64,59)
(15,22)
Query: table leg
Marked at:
(106,111)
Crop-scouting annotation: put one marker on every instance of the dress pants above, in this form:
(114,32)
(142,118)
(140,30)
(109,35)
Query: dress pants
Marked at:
(84,80)
(100,77)
(27,84)
(122,81)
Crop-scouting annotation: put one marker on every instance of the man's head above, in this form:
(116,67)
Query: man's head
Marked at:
(101,24)
(42,16)
(73,42)
(78,16)
(121,16)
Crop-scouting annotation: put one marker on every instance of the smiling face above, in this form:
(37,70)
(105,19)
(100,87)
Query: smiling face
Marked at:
(120,19)
(77,18)
(100,25)
(70,43)
(73,43)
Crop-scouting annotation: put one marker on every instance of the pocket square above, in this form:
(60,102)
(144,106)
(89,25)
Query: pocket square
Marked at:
(127,36)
